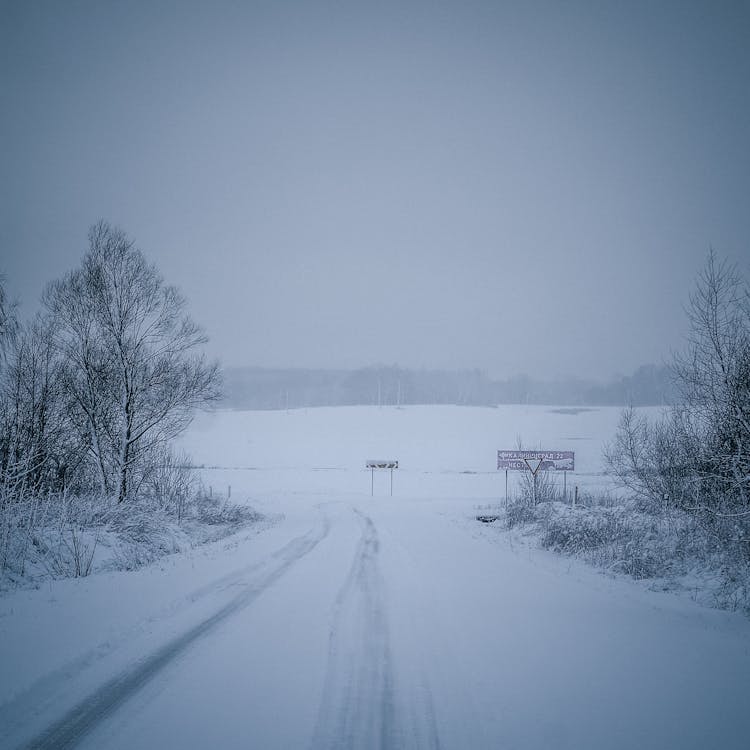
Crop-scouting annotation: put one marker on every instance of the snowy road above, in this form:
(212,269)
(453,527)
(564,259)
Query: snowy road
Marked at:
(374,623)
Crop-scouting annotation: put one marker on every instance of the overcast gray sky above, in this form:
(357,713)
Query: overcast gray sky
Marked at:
(519,187)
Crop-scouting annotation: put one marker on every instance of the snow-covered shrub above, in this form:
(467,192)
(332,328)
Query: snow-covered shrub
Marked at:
(734,590)
(67,542)
(151,528)
(215,510)
(141,538)
(22,515)
(545,491)
(57,535)
(519,513)
(49,535)
(573,530)
(171,482)
(619,539)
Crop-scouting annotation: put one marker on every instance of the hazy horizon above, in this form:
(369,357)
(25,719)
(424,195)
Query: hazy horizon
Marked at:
(386,366)
(513,187)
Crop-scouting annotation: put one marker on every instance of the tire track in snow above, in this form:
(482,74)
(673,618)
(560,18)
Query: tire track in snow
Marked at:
(46,692)
(71,728)
(358,708)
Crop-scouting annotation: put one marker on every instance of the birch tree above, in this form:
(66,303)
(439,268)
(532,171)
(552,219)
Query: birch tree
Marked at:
(131,356)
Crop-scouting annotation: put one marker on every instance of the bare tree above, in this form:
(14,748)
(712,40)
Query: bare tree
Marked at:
(655,460)
(86,368)
(8,321)
(698,456)
(36,433)
(131,357)
(714,379)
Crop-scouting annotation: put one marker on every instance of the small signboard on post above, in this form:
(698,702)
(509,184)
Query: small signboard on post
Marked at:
(372,465)
(536,461)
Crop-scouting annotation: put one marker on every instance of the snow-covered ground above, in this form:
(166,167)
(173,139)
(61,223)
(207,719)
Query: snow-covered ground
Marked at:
(351,621)
(443,451)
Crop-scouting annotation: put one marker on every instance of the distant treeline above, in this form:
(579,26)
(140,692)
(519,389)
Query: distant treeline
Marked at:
(261,388)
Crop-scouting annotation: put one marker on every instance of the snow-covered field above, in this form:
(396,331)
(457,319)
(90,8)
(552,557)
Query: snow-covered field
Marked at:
(443,451)
(351,621)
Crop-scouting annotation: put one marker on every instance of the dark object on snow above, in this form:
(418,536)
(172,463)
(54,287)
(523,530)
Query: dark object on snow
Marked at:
(487,519)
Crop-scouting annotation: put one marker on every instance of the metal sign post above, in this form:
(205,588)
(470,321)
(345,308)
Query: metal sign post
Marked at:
(372,465)
(534,464)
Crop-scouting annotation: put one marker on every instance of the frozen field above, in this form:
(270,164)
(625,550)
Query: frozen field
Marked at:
(443,451)
(351,621)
